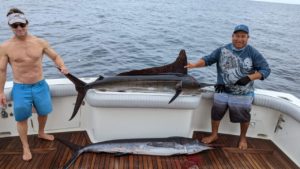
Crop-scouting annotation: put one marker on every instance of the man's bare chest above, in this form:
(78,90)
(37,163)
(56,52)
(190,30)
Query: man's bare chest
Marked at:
(25,53)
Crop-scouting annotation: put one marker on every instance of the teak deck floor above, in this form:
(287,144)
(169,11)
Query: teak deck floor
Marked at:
(53,155)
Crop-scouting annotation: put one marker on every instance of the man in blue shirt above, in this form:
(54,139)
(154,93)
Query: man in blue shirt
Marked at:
(238,65)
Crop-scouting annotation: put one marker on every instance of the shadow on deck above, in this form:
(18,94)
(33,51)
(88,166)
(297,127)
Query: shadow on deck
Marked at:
(53,155)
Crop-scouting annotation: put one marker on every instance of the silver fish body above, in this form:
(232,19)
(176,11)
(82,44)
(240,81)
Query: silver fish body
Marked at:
(144,146)
(159,147)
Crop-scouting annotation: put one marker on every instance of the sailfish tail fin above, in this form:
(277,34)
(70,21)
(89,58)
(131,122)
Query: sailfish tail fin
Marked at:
(81,88)
(176,67)
(76,148)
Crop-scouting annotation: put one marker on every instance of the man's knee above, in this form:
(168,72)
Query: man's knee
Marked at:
(218,111)
(240,114)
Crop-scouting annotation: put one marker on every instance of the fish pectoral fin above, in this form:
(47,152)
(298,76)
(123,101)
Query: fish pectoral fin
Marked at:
(100,78)
(119,154)
(178,88)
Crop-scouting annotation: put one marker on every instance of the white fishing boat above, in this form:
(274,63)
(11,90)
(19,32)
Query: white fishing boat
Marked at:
(275,117)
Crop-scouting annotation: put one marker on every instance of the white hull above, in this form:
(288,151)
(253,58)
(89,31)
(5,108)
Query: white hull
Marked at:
(113,115)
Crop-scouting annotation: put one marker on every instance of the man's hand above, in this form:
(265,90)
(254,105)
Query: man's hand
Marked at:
(243,81)
(219,88)
(200,63)
(190,65)
(63,69)
(2,99)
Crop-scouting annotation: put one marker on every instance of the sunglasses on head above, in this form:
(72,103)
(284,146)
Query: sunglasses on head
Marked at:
(16,25)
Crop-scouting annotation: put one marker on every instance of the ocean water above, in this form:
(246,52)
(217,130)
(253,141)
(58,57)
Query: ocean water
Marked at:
(100,37)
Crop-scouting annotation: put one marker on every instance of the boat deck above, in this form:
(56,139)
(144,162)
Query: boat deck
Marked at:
(53,155)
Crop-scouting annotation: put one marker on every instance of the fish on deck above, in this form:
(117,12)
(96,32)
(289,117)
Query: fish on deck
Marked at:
(143,146)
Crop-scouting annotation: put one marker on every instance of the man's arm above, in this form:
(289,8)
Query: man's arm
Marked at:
(55,57)
(206,60)
(260,65)
(246,79)
(3,66)
(200,63)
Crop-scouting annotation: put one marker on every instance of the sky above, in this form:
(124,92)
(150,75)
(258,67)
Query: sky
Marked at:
(282,1)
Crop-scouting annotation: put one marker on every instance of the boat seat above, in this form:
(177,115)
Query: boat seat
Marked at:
(140,100)
(62,90)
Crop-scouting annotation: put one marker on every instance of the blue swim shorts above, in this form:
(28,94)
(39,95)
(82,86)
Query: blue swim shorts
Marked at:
(27,95)
(239,107)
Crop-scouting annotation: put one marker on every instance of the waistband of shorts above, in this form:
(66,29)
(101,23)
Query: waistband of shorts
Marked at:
(30,85)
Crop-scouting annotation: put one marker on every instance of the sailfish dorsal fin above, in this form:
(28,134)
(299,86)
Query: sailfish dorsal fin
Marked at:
(176,67)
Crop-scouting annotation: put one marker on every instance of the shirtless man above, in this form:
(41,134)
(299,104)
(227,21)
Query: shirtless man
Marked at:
(24,53)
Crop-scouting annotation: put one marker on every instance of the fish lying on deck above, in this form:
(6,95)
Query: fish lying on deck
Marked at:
(171,76)
(144,146)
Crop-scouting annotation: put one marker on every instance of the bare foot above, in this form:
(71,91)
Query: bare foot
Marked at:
(46,137)
(209,139)
(243,144)
(26,154)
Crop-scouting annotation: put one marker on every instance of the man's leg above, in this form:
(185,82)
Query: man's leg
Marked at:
(43,105)
(42,123)
(239,109)
(22,128)
(218,111)
(214,134)
(243,140)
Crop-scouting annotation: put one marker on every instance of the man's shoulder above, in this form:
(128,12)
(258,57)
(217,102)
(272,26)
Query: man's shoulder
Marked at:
(38,40)
(249,47)
(5,45)
(35,38)
(253,50)
(225,46)
(3,48)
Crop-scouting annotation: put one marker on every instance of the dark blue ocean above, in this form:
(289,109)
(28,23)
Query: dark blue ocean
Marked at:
(101,37)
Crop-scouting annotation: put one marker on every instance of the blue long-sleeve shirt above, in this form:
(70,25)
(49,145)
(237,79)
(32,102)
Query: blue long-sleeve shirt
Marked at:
(233,64)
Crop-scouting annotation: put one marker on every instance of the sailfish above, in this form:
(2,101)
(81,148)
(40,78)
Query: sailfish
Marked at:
(144,146)
(173,76)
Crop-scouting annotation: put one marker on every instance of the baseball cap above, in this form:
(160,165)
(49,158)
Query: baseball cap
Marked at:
(241,27)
